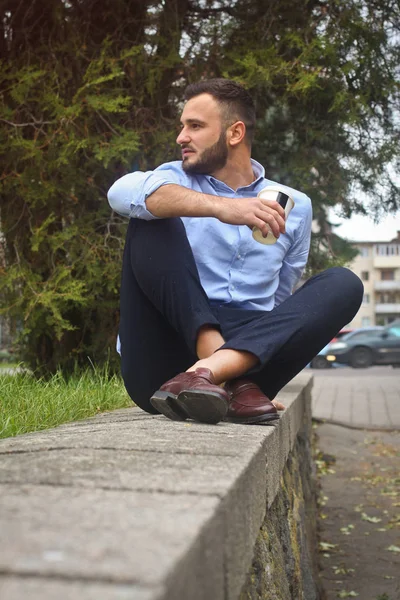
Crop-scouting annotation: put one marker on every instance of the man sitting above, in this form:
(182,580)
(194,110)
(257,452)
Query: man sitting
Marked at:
(202,302)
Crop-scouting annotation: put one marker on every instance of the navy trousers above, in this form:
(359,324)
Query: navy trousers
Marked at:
(163,305)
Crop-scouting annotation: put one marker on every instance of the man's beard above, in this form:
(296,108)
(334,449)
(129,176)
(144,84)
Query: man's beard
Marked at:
(211,159)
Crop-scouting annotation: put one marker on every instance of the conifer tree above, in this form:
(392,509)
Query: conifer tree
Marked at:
(90,90)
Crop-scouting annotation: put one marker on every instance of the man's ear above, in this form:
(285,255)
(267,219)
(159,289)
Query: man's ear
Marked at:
(236,133)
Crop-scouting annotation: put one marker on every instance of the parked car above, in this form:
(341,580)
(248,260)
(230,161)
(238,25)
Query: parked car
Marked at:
(340,334)
(319,361)
(380,346)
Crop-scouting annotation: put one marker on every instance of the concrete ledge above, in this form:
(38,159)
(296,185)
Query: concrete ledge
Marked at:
(126,505)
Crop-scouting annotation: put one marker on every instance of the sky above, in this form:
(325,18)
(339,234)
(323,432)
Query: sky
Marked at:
(363,229)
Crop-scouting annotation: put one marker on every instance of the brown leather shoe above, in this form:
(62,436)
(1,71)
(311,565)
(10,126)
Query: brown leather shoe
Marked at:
(248,404)
(192,395)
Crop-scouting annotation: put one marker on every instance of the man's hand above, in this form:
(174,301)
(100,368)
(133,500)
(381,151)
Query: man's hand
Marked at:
(254,212)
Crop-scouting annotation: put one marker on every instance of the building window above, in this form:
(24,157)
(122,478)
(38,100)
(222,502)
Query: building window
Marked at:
(365,322)
(387,275)
(366,299)
(365,275)
(387,298)
(387,249)
(364,251)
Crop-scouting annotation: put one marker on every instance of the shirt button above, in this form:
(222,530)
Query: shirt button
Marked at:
(239,256)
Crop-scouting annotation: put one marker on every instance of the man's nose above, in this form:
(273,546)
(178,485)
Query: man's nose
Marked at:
(183,137)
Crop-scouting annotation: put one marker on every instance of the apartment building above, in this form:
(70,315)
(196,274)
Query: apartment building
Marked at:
(378,266)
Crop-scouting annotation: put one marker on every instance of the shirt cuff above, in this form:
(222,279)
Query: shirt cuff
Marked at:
(140,210)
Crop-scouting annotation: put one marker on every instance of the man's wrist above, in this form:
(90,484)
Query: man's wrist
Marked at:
(215,206)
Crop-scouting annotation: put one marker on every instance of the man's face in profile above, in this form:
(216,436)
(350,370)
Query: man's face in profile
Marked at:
(202,137)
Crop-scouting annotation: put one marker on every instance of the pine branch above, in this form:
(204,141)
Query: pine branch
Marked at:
(33,124)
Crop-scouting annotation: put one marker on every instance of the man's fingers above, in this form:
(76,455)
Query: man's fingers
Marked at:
(262,226)
(274,205)
(275,221)
(276,217)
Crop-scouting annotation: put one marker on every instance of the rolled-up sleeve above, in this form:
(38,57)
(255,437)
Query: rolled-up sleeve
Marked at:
(128,195)
(296,259)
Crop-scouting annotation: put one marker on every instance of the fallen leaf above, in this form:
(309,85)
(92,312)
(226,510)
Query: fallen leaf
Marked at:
(347,530)
(365,517)
(341,570)
(393,548)
(323,546)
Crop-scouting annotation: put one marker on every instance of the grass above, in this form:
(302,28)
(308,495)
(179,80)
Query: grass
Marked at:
(30,404)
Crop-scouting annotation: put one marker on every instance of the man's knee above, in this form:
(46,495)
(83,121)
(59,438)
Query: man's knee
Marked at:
(339,290)
(165,230)
(346,282)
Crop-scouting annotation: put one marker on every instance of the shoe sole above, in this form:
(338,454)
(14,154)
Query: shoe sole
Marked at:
(252,420)
(203,406)
(168,405)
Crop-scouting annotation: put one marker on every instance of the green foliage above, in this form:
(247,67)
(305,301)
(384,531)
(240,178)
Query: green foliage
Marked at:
(62,245)
(89,92)
(328,250)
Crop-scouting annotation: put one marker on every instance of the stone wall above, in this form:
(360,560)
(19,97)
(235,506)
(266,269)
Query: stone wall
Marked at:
(129,506)
(285,557)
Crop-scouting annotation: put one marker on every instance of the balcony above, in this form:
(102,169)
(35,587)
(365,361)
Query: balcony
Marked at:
(386,262)
(387,286)
(385,309)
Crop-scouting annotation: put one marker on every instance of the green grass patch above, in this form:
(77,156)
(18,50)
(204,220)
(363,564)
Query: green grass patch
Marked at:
(30,404)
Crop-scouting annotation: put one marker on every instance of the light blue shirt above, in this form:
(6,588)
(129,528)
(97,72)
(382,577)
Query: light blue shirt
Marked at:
(234,269)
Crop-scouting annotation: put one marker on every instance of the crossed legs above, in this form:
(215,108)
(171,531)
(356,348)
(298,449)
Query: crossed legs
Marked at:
(167,325)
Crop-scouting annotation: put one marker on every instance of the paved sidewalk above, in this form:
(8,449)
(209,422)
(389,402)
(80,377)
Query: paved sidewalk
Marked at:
(359,520)
(360,398)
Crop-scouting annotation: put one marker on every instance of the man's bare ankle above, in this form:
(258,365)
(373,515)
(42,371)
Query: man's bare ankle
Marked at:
(209,339)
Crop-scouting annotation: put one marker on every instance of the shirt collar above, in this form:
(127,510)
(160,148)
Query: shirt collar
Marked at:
(259,174)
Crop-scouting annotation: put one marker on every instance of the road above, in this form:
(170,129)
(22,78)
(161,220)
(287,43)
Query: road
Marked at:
(360,398)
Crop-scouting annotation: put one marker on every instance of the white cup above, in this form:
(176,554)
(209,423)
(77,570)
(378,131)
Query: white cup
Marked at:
(281,196)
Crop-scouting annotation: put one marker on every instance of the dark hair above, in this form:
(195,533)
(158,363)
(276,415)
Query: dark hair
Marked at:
(236,102)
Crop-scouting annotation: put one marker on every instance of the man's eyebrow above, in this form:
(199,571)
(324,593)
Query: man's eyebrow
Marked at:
(190,121)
